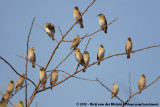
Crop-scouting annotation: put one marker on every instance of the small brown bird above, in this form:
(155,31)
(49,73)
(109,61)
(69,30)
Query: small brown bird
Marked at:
(10,88)
(115,90)
(79,57)
(20,82)
(20,104)
(142,83)
(54,78)
(5,97)
(50,30)
(3,103)
(86,58)
(77,15)
(103,22)
(42,76)
(75,42)
(128,47)
(32,56)
(100,53)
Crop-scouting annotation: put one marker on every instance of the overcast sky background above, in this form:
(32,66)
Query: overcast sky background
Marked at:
(137,19)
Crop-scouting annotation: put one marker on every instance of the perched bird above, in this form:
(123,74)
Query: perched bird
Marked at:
(115,90)
(20,82)
(10,88)
(142,83)
(54,78)
(77,15)
(3,103)
(100,53)
(50,30)
(20,104)
(5,97)
(32,56)
(103,22)
(79,57)
(86,58)
(42,76)
(128,47)
(75,42)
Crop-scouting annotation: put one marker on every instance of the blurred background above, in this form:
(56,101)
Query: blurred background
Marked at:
(137,19)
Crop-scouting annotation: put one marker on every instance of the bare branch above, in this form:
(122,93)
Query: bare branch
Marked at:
(27,62)
(109,90)
(60,31)
(16,71)
(140,91)
(87,44)
(130,91)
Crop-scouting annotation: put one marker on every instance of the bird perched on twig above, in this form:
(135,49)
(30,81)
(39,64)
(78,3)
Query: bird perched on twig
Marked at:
(5,97)
(77,15)
(128,47)
(3,103)
(20,82)
(20,104)
(142,83)
(100,53)
(103,22)
(42,77)
(79,57)
(115,90)
(32,56)
(50,30)
(54,78)
(86,58)
(75,42)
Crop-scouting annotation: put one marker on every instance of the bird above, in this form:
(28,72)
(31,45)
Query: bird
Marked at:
(5,97)
(20,104)
(86,58)
(77,15)
(32,56)
(50,30)
(100,53)
(103,22)
(54,78)
(128,47)
(115,90)
(20,82)
(79,57)
(42,76)
(75,42)
(142,83)
(10,88)
(3,103)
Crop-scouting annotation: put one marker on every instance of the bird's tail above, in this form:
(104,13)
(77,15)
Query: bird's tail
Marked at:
(81,26)
(140,92)
(128,55)
(105,31)
(51,88)
(44,86)
(53,38)
(98,63)
(33,66)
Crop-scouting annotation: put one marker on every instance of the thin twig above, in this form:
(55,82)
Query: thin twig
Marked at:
(140,91)
(16,71)
(87,44)
(27,62)
(109,90)
(27,59)
(60,31)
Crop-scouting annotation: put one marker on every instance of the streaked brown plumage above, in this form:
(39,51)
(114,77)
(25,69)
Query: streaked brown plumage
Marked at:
(20,82)
(3,103)
(10,88)
(86,58)
(75,42)
(77,15)
(115,90)
(142,82)
(5,97)
(54,78)
(128,47)
(100,53)
(42,76)
(79,57)
(32,56)
(103,22)
(50,30)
